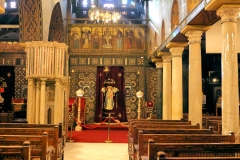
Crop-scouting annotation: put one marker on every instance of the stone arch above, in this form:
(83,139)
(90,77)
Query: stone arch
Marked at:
(56,29)
(174,15)
(163,31)
(191,4)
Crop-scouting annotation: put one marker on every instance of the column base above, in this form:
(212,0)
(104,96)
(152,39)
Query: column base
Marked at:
(78,128)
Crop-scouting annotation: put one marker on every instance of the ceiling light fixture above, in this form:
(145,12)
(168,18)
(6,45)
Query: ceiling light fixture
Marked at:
(105,15)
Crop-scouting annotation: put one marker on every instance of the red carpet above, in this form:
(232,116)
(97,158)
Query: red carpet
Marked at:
(99,136)
(98,133)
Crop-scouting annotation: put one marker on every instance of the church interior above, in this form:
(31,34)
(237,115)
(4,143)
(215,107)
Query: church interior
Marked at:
(129,59)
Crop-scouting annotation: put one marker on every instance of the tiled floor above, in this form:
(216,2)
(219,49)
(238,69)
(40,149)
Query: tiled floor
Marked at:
(95,151)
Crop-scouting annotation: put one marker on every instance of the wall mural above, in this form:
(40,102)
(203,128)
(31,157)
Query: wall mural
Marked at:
(84,38)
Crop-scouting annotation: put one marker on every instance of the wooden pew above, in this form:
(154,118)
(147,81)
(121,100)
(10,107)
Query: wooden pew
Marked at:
(148,124)
(142,145)
(16,151)
(131,122)
(53,136)
(132,137)
(162,155)
(156,121)
(192,150)
(215,124)
(39,144)
(134,140)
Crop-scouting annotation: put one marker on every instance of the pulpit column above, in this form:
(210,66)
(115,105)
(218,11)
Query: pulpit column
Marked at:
(57,108)
(195,77)
(43,101)
(37,110)
(230,95)
(167,88)
(159,89)
(30,105)
(177,90)
(61,104)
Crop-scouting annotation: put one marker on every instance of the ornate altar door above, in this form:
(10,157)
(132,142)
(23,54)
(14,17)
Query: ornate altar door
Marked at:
(116,98)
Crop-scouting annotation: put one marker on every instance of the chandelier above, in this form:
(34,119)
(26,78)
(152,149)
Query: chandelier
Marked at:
(2,6)
(104,14)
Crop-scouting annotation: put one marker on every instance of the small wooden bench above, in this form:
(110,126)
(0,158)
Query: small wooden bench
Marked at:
(38,143)
(16,152)
(142,146)
(52,130)
(192,150)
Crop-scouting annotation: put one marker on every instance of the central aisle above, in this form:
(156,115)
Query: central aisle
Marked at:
(96,151)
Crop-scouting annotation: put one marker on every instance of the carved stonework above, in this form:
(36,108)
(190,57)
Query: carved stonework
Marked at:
(10,47)
(56,32)
(30,20)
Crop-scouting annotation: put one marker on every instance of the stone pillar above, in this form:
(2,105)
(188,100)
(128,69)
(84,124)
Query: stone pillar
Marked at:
(167,88)
(30,105)
(61,104)
(57,110)
(43,101)
(177,84)
(159,89)
(195,77)
(230,95)
(37,110)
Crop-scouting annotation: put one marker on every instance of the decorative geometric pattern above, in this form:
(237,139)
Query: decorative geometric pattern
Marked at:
(56,32)
(83,78)
(132,61)
(20,80)
(119,61)
(107,61)
(131,79)
(82,61)
(140,61)
(73,61)
(10,47)
(30,20)
(152,84)
(95,61)
(8,61)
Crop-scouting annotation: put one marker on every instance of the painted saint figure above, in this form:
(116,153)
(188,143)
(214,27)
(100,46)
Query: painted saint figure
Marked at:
(108,37)
(109,94)
(119,36)
(96,39)
(129,38)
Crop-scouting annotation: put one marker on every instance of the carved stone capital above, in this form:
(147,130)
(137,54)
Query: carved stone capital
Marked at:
(228,13)
(166,59)
(31,82)
(194,36)
(159,65)
(176,51)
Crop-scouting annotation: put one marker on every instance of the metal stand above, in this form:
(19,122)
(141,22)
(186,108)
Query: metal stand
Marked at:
(70,123)
(70,140)
(109,116)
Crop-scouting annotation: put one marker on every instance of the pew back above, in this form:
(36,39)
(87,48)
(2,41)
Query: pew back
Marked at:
(193,149)
(53,137)
(38,143)
(16,151)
